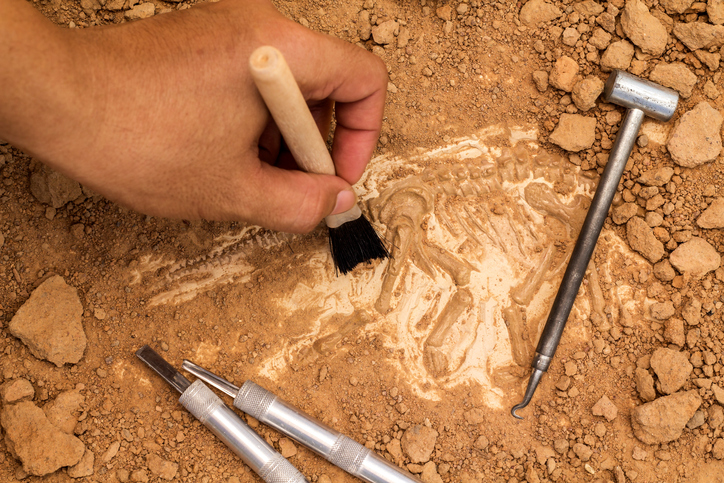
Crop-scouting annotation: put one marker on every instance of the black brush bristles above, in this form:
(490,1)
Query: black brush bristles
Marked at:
(355,242)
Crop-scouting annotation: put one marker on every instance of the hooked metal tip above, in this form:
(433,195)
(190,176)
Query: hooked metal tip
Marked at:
(516,407)
(535,377)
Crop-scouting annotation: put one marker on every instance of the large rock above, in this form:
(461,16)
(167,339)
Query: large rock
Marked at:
(538,11)
(699,35)
(664,419)
(418,442)
(713,217)
(641,238)
(672,368)
(696,257)
(643,29)
(574,132)
(143,10)
(49,323)
(51,187)
(618,55)
(41,447)
(675,75)
(696,139)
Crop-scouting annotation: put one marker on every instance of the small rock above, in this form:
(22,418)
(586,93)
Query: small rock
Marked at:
(384,33)
(112,451)
(696,139)
(570,36)
(395,449)
(429,473)
(288,449)
(84,467)
(718,393)
(664,271)
(588,8)
(444,12)
(51,187)
(662,310)
(675,75)
(418,442)
(676,6)
(584,452)
(481,443)
(618,55)
(696,257)
(699,35)
(664,419)
(656,177)
(623,213)
(713,216)
(643,29)
(564,73)
(536,12)
(672,368)
(16,390)
(674,331)
(600,38)
(717,451)
(162,468)
(41,447)
(63,412)
(716,416)
(586,92)
(639,454)
(574,132)
(139,476)
(644,384)
(696,420)
(540,77)
(711,60)
(561,446)
(143,10)
(364,29)
(49,323)
(715,11)
(692,312)
(605,407)
(641,238)
(475,416)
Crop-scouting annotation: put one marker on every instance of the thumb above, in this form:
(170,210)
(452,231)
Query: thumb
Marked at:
(294,201)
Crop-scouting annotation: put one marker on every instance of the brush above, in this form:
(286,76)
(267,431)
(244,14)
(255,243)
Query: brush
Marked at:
(352,239)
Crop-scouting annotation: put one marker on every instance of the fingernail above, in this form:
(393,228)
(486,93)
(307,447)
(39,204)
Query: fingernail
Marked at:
(345,201)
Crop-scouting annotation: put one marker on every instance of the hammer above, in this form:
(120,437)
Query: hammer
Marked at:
(641,98)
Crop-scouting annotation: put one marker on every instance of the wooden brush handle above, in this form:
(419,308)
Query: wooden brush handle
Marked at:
(290,111)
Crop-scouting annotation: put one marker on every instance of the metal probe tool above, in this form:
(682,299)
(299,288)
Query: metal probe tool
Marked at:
(335,447)
(641,97)
(211,411)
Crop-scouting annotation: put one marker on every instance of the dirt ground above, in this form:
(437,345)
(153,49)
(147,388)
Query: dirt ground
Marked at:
(455,69)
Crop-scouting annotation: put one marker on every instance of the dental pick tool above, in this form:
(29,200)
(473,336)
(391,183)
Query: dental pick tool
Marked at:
(338,449)
(211,411)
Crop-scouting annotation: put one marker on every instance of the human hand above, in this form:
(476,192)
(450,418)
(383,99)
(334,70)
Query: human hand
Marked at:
(168,122)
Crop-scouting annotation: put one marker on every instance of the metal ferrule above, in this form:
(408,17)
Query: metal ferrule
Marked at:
(332,445)
(211,411)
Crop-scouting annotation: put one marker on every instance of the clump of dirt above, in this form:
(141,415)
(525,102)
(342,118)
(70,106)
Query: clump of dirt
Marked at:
(636,390)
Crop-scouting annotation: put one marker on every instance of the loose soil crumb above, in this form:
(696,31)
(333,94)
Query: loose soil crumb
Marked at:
(480,93)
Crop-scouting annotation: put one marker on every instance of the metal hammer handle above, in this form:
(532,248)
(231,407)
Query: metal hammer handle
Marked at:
(642,98)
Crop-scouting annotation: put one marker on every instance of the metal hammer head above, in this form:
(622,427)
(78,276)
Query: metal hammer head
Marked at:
(632,92)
